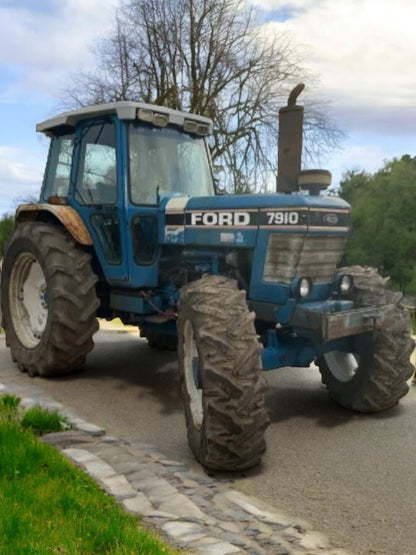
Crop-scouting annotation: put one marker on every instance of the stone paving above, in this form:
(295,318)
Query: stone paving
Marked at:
(192,510)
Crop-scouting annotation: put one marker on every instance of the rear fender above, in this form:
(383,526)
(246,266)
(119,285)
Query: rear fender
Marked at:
(66,215)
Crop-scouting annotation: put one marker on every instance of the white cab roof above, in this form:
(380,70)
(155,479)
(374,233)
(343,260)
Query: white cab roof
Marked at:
(125,110)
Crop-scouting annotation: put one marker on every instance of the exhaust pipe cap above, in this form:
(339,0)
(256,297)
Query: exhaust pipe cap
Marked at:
(314,180)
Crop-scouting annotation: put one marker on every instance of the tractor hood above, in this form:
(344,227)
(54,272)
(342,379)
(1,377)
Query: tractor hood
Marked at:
(237,219)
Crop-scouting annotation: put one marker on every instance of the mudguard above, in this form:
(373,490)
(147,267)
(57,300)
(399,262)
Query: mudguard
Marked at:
(68,217)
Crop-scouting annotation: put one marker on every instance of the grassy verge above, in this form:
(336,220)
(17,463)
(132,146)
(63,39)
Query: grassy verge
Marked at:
(49,506)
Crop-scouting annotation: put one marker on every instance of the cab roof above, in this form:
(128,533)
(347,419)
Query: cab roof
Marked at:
(125,110)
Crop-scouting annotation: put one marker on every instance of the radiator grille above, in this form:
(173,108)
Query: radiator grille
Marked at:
(289,256)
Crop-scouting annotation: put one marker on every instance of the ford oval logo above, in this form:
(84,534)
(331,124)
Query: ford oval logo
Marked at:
(330,219)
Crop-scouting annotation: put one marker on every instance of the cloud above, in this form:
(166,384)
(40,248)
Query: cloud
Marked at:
(363,51)
(21,172)
(11,167)
(42,46)
(288,5)
(368,151)
(351,159)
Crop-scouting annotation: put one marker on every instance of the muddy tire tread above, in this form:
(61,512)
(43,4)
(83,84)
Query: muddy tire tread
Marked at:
(73,301)
(235,418)
(383,381)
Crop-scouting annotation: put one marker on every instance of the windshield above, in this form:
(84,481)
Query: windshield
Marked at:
(166,161)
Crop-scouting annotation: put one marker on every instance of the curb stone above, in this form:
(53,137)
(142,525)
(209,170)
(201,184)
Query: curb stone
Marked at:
(192,510)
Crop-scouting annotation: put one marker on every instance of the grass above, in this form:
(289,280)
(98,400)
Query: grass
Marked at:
(9,406)
(49,506)
(42,421)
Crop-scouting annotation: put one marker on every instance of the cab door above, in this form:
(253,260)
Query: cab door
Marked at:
(98,193)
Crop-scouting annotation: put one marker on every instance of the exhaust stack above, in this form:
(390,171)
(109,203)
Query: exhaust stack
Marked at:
(290,177)
(290,143)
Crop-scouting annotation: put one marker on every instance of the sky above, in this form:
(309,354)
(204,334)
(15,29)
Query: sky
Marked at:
(363,51)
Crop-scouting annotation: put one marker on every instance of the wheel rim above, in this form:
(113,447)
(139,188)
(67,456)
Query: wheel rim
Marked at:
(342,365)
(28,300)
(192,373)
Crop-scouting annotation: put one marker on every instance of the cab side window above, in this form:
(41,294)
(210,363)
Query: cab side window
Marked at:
(97,172)
(56,182)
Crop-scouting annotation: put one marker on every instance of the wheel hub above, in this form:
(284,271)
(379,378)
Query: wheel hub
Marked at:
(342,365)
(192,375)
(28,300)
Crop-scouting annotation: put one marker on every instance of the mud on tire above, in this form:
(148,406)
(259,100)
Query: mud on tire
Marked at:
(48,300)
(223,388)
(374,376)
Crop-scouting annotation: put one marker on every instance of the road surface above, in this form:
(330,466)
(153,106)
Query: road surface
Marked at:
(351,476)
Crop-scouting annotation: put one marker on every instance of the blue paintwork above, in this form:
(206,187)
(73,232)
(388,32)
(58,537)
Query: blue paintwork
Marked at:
(294,351)
(224,237)
(264,201)
(127,272)
(302,348)
(203,246)
(115,274)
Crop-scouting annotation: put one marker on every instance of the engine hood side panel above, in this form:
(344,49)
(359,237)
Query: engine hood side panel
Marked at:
(237,220)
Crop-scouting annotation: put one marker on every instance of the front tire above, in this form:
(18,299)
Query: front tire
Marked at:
(223,388)
(373,376)
(48,300)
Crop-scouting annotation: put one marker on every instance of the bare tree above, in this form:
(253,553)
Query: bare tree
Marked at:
(213,58)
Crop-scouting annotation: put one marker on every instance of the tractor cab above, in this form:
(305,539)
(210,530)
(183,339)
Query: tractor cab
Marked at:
(116,163)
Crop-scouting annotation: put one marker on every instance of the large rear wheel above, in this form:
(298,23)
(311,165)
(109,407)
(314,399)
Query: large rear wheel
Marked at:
(373,376)
(48,300)
(223,388)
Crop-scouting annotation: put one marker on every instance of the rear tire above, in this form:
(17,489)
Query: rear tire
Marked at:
(48,300)
(373,377)
(223,388)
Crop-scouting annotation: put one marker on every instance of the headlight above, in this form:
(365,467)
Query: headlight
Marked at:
(344,284)
(304,287)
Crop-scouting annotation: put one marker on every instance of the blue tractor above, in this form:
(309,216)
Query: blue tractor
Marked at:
(129,225)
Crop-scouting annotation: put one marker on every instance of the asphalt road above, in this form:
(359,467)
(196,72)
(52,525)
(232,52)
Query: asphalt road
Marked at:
(351,476)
